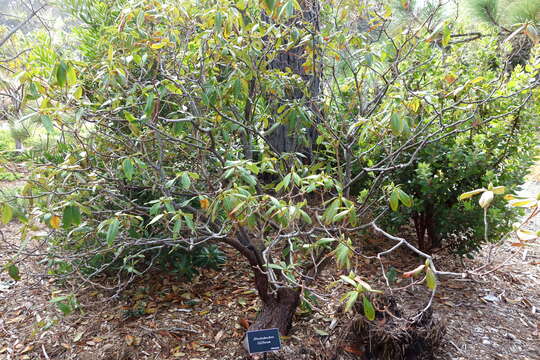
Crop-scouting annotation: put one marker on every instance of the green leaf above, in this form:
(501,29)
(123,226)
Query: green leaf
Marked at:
(71,76)
(156,219)
(284,183)
(343,255)
(129,169)
(404,198)
(114,226)
(391,275)
(189,221)
(446,32)
(431,280)
(64,308)
(352,296)
(71,216)
(177,227)
(369,310)
(331,211)
(275,266)
(249,179)
(149,107)
(61,73)
(324,241)
(397,123)
(394,200)
(7,213)
(47,123)
(269,5)
(348,280)
(140,19)
(305,217)
(297,179)
(13,272)
(185,181)
(321,332)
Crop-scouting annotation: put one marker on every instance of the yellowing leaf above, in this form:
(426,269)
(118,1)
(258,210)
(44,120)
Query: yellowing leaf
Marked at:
(524,203)
(55,222)
(130,340)
(414,272)
(431,280)
(7,213)
(158,45)
(414,104)
(476,80)
(526,235)
(470,194)
(205,203)
(404,198)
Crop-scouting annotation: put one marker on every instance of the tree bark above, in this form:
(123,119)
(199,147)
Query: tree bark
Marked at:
(279,305)
(425,223)
(285,139)
(420,227)
(278,311)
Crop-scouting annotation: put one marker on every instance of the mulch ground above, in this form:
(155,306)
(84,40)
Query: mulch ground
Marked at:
(495,315)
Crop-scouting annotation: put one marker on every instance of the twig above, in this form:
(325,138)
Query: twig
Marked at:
(172,329)
(45,352)
(16,28)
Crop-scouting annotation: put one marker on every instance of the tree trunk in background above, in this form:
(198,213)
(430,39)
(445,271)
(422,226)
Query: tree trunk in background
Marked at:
(284,139)
(18,144)
(425,224)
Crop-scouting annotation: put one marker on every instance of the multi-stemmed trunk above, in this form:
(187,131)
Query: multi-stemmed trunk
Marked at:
(425,224)
(279,302)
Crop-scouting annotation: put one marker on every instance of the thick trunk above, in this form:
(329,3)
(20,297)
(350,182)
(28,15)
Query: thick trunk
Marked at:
(287,139)
(280,305)
(278,311)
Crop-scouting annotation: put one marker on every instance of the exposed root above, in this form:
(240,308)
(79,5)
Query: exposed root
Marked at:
(391,335)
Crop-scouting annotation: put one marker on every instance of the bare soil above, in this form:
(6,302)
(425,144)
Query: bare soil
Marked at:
(494,315)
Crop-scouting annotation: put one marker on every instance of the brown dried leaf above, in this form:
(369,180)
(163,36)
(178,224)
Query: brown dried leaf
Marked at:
(353,350)
(218,336)
(27,349)
(130,340)
(244,323)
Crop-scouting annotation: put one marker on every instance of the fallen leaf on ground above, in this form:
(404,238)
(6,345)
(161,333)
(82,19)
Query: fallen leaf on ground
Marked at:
(244,323)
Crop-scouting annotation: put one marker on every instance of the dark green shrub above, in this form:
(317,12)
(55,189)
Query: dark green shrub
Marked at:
(492,146)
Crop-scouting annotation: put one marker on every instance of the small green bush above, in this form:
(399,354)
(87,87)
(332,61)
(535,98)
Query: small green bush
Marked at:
(185,263)
(479,153)
(11,197)
(6,141)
